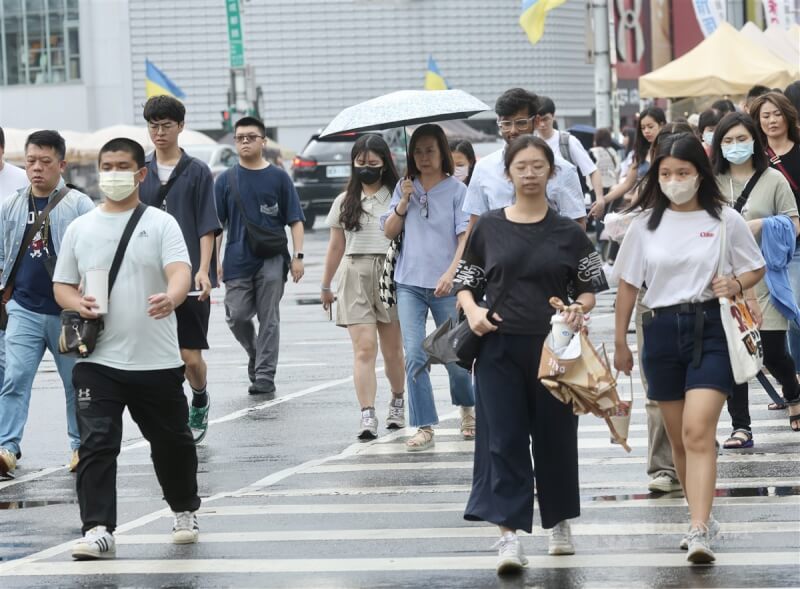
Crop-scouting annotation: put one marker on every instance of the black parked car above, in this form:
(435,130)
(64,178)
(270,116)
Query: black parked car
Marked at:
(321,170)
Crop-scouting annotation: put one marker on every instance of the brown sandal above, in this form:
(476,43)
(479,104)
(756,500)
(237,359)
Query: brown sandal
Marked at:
(468,426)
(422,440)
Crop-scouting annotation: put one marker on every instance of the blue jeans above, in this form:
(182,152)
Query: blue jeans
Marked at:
(27,335)
(2,357)
(794,331)
(413,303)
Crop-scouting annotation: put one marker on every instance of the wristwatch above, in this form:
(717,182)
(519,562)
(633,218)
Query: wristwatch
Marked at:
(299,255)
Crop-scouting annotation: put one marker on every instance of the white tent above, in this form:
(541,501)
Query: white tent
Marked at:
(778,46)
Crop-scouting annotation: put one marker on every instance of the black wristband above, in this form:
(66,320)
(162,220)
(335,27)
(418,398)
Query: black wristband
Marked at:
(399,215)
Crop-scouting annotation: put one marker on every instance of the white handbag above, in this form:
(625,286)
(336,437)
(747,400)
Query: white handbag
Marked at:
(745,349)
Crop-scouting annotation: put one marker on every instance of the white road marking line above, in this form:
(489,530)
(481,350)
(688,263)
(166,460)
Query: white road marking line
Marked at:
(350,508)
(602,428)
(467,464)
(335,342)
(212,566)
(474,531)
(737,483)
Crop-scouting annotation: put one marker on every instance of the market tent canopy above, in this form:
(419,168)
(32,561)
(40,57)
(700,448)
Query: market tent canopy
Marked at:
(725,63)
(778,46)
(786,41)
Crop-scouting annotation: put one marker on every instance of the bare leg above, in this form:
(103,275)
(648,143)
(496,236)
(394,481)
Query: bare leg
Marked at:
(196,369)
(672,412)
(365,351)
(391,342)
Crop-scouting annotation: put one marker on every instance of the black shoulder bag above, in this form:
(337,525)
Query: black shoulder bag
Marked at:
(8,290)
(742,200)
(79,335)
(264,243)
(164,189)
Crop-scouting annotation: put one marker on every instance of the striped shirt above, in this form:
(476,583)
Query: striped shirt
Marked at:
(370,239)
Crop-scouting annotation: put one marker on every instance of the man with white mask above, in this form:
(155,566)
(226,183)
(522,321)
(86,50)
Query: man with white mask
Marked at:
(137,361)
(33,222)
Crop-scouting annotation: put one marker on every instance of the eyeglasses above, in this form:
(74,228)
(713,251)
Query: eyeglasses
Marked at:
(536,171)
(521,124)
(247,138)
(166,127)
(423,201)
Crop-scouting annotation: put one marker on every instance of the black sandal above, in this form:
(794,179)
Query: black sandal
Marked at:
(794,418)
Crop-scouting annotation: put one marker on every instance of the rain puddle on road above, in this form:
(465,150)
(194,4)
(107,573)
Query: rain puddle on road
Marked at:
(29,504)
(740,492)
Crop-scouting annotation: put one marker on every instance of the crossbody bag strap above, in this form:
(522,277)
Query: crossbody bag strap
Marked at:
(742,200)
(123,244)
(722,246)
(514,277)
(233,184)
(29,235)
(164,189)
(775,159)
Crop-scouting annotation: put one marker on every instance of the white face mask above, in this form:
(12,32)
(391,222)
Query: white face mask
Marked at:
(461,172)
(680,191)
(117,185)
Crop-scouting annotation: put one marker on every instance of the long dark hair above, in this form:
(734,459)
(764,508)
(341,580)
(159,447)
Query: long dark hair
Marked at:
(350,217)
(787,109)
(641,146)
(687,147)
(435,131)
(728,122)
(465,148)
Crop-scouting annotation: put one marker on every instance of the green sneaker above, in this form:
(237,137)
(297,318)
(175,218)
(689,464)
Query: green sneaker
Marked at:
(198,420)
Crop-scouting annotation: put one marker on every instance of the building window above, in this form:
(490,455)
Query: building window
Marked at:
(39,42)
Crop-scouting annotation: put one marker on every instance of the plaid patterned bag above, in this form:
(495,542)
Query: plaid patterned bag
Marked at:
(387,290)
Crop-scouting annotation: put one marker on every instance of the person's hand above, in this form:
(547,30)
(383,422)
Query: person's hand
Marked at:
(755,311)
(220,274)
(87,308)
(445,285)
(623,358)
(573,315)
(327,297)
(297,269)
(598,210)
(725,287)
(479,323)
(202,283)
(406,190)
(161,305)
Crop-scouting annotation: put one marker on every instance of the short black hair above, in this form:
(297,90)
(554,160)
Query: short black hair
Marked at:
(756,91)
(724,106)
(708,118)
(546,106)
(48,139)
(514,100)
(251,122)
(792,92)
(2,139)
(125,145)
(158,108)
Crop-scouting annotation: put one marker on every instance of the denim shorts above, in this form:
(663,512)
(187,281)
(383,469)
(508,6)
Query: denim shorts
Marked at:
(667,358)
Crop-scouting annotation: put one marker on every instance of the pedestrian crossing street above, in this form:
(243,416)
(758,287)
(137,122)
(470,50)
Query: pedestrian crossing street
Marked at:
(375,515)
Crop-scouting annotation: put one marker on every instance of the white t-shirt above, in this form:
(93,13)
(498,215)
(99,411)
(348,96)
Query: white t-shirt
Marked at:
(578,155)
(679,259)
(164,172)
(12,179)
(131,339)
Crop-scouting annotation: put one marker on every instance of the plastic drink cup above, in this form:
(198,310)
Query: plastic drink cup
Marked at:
(96,285)
(561,331)
(621,419)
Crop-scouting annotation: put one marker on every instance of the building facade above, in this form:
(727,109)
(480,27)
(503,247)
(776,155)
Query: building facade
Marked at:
(80,64)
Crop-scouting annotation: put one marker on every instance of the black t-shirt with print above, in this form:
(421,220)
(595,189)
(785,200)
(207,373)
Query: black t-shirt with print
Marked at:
(551,258)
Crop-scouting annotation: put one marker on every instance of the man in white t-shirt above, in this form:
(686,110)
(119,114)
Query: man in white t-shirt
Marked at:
(566,144)
(12,179)
(137,362)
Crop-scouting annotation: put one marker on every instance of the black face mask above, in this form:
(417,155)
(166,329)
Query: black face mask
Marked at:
(369,175)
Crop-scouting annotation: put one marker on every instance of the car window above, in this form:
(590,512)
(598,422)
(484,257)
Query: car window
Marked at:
(229,158)
(200,152)
(327,150)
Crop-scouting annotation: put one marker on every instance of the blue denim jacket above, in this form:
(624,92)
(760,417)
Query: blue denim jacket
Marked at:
(14,220)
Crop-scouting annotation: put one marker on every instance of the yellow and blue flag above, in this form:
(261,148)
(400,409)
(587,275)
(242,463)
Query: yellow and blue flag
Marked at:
(158,84)
(433,77)
(532,18)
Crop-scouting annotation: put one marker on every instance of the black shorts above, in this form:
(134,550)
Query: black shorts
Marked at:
(193,317)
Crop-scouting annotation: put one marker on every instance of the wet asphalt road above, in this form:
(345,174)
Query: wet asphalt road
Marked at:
(291,500)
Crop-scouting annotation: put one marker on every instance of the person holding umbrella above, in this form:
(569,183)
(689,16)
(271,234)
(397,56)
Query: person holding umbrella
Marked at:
(526,253)
(427,208)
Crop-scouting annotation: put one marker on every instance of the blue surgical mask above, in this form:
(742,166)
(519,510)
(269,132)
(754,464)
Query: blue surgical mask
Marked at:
(708,137)
(738,153)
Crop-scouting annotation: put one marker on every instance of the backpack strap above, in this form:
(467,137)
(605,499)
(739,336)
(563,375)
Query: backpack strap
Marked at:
(563,146)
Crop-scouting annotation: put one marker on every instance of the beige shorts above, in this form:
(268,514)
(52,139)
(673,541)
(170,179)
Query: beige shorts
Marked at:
(357,296)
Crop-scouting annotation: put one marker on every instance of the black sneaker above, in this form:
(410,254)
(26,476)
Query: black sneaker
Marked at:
(262,388)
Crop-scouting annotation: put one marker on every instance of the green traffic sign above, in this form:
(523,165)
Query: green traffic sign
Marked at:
(235,38)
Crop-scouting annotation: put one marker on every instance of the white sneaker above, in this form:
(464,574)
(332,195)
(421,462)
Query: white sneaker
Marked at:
(509,558)
(185,530)
(397,414)
(369,425)
(561,539)
(97,544)
(663,483)
(713,532)
(700,546)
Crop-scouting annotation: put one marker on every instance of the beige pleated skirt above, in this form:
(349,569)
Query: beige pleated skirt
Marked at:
(358,301)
